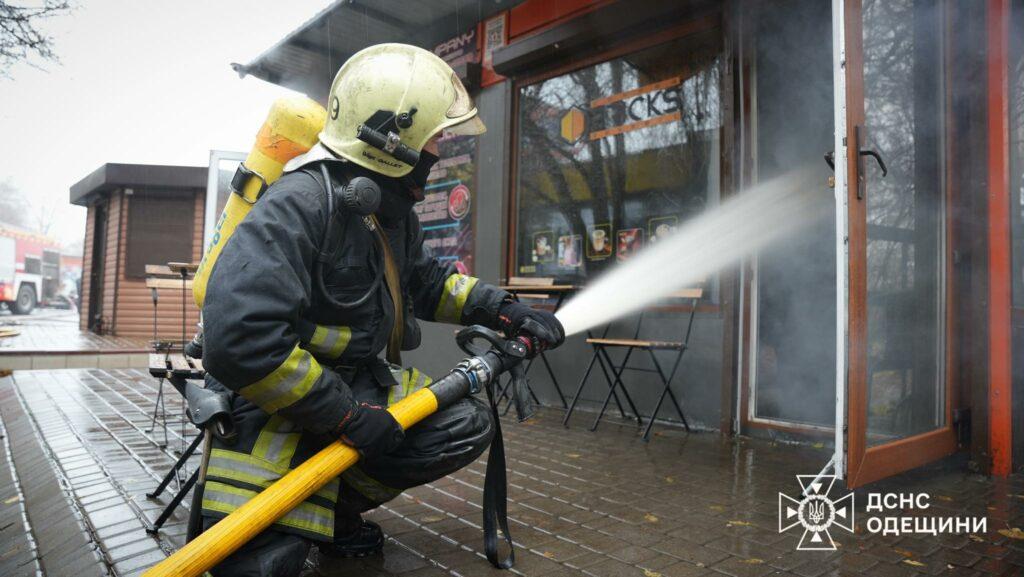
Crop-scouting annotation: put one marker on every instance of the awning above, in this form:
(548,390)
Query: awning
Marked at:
(112,176)
(306,59)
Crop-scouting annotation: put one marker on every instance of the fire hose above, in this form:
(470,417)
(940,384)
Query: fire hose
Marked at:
(490,359)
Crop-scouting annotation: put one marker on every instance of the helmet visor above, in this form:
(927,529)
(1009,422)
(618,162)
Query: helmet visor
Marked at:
(472,126)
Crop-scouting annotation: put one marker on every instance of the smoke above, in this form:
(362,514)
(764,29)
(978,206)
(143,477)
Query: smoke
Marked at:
(790,360)
(718,238)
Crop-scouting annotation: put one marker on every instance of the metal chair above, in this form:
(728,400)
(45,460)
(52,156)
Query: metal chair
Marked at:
(613,372)
(210,412)
(173,276)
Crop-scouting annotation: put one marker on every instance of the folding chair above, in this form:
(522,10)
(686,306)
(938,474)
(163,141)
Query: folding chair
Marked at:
(173,276)
(210,412)
(603,343)
(541,288)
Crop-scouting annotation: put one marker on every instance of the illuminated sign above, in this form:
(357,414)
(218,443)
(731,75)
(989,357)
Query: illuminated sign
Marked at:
(649,105)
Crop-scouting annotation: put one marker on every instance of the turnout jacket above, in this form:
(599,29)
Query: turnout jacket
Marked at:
(273,340)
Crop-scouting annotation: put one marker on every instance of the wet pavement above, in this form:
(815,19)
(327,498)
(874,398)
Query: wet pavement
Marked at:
(51,339)
(80,459)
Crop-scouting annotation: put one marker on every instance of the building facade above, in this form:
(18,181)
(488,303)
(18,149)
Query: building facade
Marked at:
(138,215)
(613,123)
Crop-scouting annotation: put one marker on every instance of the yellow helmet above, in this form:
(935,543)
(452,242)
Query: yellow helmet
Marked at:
(388,100)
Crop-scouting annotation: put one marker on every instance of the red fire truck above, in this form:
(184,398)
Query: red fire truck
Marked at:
(29,269)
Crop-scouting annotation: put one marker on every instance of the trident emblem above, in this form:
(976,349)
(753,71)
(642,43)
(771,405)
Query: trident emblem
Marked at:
(815,512)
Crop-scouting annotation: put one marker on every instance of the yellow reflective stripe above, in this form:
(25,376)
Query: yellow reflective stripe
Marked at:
(371,488)
(453,298)
(224,498)
(412,380)
(330,341)
(287,384)
(251,470)
(277,441)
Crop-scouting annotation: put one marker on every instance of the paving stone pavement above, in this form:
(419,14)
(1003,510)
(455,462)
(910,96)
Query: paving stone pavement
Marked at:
(80,459)
(54,330)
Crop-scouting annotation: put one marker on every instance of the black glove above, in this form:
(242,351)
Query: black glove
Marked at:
(515,318)
(371,430)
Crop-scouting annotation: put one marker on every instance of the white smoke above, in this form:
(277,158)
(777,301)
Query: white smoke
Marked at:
(718,238)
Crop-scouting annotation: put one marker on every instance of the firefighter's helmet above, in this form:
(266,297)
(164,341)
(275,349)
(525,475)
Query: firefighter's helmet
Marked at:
(388,100)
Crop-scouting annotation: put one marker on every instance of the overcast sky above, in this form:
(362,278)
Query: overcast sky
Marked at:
(141,81)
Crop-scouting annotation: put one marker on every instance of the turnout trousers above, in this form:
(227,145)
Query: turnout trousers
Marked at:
(437,446)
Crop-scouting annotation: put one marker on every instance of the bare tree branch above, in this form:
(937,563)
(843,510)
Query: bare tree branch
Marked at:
(21,38)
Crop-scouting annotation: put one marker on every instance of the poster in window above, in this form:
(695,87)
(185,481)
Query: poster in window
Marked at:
(630,241)
(659,228)
(570,248)
(544,246)
(448,208)
(619,153)
(599,242)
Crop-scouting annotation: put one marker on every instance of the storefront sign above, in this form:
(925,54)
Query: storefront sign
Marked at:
(460,50)
(650,105)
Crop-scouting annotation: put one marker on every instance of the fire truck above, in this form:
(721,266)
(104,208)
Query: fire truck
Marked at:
(29,269)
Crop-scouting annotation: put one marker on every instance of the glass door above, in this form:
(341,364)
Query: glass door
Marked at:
(898,410)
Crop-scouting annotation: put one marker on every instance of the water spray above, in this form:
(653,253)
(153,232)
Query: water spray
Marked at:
(721,236)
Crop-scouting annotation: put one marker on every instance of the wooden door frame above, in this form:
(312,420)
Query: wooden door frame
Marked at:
(1000,288)
(871,463)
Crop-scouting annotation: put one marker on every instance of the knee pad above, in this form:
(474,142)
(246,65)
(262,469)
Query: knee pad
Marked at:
(464,429)
(437,446)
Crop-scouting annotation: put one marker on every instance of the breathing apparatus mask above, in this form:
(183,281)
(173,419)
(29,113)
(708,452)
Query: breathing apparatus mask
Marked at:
(416,180)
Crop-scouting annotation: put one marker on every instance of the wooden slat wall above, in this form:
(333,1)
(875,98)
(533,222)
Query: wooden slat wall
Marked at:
(115,226)
(90,227)
(134,300)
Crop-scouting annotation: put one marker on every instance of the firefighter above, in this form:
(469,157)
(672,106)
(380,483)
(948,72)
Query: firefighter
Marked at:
(320,281)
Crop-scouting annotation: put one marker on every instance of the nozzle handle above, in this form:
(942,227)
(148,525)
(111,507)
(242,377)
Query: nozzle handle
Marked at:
(469,337)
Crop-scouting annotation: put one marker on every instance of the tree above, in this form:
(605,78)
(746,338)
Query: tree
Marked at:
(20,36)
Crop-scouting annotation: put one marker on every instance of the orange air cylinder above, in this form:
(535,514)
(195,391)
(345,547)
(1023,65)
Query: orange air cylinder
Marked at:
(291,129)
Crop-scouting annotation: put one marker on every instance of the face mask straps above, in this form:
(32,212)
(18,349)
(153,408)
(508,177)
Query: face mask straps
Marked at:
(416,180)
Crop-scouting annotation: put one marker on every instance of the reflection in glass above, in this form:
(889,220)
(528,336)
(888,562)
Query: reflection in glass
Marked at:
(903,103)
(614,156)
(225,172)
(1017,147)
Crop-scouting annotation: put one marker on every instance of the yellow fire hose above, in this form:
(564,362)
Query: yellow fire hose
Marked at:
(216,543)
(220,540)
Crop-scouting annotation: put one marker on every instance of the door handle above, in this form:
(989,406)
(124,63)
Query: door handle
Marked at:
(830,160)
(878,158)
(859,136)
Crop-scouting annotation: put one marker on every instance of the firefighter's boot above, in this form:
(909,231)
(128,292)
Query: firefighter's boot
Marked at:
(365,538)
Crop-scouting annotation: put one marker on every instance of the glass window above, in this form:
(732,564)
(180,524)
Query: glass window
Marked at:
(614,156)
(904,110)
(1017,147)
(795,308)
